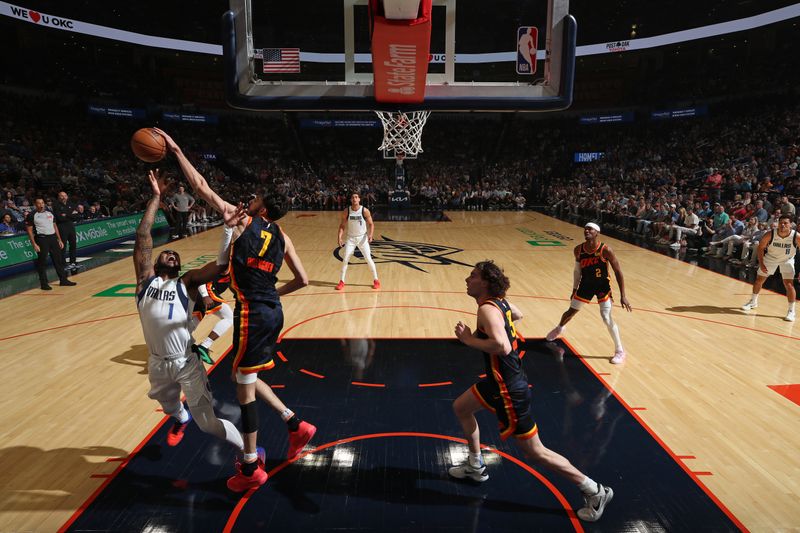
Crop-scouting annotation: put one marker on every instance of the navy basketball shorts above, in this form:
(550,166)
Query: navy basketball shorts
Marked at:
(256,326)
(512,408)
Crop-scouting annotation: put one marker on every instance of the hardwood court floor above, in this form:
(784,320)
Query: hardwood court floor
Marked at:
(698,375)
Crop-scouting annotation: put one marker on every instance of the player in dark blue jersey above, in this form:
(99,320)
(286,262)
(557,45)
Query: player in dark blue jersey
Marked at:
(505,390)
(256,257)
(591,278)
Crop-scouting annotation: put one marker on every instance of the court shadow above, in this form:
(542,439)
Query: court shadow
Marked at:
(136,356)
(391,485)
(25,490)
(714,310)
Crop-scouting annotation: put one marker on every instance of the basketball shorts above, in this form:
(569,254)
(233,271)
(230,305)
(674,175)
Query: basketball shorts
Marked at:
(256,326)
(361,242)
(786,268)
(512,408)
(169,376)
(584,295)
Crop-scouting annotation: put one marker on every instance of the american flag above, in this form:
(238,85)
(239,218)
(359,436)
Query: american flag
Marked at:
(281,60)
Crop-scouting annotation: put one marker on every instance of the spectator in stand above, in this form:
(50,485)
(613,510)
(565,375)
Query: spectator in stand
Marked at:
(749,255)
(787,207)
(690,226)
(81,214)
(7,226)
(727,245)
(705,212)
(760,213)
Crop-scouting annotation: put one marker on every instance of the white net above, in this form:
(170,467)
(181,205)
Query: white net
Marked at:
(402,132)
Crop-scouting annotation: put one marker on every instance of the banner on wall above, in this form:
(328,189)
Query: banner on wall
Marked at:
(17,249)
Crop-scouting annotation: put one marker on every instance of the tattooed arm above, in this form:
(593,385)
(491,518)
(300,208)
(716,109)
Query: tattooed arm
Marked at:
(143,248)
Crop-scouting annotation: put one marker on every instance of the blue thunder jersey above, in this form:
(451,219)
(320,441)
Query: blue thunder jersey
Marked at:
(505,369)
(165,312)
(256,258)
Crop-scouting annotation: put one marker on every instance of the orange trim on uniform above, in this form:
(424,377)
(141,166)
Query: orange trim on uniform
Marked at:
(576,297)
(506,397)
(606,297)
(253,369)
(483,402)
(243,324)
(213,296)
(528,435)
(212,310)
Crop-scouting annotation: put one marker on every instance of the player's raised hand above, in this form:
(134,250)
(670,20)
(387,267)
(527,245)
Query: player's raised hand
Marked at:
(171,144)
(233,217)
(159,182)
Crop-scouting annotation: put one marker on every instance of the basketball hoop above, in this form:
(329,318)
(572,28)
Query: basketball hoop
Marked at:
(402,132)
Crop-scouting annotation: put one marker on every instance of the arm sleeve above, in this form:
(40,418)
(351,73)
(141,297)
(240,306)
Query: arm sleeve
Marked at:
(223,258)
(202,290)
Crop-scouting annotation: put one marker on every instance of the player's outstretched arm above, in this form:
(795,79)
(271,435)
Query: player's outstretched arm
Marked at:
(612,259)
(210,272)
(195,179)
(143,244)
(292,260)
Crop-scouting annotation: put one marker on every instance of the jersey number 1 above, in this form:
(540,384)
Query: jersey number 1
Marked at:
(267,236)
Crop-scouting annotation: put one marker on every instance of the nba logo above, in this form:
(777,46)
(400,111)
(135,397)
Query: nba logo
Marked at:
(526,49)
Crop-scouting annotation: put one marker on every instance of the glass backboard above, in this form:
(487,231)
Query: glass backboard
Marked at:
(504,55)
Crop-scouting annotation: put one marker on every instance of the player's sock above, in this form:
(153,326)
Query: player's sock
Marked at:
(249,468)
(293,423)
(588,486)
(754,299)
(475,460)
(207,343)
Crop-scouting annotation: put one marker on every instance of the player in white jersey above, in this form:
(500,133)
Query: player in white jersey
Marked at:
(357,222)
(165,301)
(777,251)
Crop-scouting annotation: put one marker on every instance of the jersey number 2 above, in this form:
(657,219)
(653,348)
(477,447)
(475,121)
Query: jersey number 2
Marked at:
(267,236)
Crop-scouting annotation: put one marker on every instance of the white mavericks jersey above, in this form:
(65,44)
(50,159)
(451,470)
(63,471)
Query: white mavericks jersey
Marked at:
(166,316)
(781,249)
(356,225)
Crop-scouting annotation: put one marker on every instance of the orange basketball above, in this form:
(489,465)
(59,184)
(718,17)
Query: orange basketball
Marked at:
(148,145)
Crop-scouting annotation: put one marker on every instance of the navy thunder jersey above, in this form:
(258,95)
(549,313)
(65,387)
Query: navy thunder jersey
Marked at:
(256,258)
(505,369)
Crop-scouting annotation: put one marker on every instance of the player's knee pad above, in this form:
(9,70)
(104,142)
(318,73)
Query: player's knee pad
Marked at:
(575,304)
(249,417)
(605,313)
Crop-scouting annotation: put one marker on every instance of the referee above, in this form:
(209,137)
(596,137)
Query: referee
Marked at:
(66,213)
(45,239)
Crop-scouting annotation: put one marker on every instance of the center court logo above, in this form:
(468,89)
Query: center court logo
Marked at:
(406,253)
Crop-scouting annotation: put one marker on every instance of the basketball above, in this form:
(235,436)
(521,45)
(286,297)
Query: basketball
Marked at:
(148,145)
